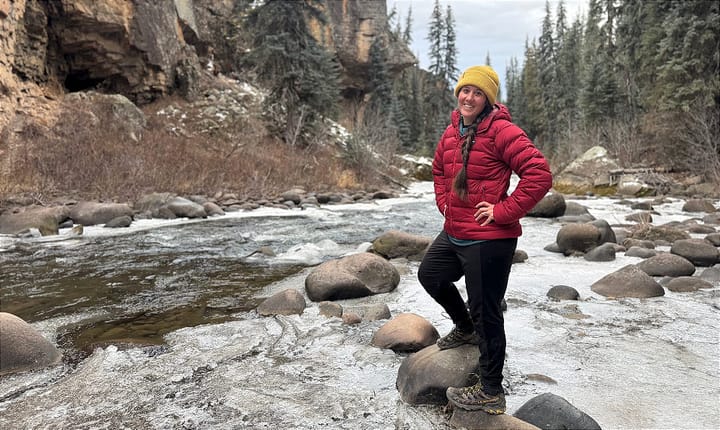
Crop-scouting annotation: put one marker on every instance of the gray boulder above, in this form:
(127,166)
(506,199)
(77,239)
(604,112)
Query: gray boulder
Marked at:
(686,284)
(374,312)
(406,332)
(604,252)
(586,174)
(212,209)
(22,347)
(184,208)
(550,206)
(357,275)
(94,213)
(699,205)
(607,234)
(45,220)
(638,251)
(563,292)
(574,238)
(286,302)
(630,281)
(423,377)
(395,244)
(119,222)
(550,411)
(479,420)
(712,275)
(700,252)
(666,264)
(330,309)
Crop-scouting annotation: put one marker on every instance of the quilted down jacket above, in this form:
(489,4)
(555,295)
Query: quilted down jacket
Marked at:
(500,149)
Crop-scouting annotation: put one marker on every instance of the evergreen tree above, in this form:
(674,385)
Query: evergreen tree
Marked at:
(547,81)
(407,33)
(688,59)
(515,102)
(568,45)
(488,62)
(450,70)
(533,118)
(436,34)
(592,98)
(301,75)
(381,99)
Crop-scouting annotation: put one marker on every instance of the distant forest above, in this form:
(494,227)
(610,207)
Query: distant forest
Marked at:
(638,77)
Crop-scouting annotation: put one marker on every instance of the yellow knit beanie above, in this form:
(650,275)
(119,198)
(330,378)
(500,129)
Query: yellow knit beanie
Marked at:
(483,77)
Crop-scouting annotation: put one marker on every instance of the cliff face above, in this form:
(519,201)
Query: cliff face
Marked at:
(146,49)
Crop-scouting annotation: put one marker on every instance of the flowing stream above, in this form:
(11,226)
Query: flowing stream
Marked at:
(158,329)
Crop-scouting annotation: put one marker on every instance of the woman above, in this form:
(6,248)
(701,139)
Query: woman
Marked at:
(474,160)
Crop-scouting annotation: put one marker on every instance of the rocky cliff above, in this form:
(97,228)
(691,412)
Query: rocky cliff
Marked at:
(147,49)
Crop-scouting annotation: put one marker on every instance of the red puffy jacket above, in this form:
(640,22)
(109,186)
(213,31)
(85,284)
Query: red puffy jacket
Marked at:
(500,148)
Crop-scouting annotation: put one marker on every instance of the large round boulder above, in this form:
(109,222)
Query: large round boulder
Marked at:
(286,302)
(94,213)
(357,275)
(46,220)
(573,238)
(699,205)
(550,206)
(667,264)
(22,347)
(687,284)
(395,244)
(423,377)
(480,420)
(550,411)
(629,281)
(406,332)
(700,252)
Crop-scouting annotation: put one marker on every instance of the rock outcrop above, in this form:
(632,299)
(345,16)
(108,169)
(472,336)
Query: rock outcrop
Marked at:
(148,49)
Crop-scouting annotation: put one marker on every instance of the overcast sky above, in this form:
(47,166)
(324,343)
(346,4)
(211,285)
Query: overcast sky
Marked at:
(495,27)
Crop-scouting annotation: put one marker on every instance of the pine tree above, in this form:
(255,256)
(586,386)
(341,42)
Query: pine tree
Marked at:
(407,33)
(592,99)
(515,97)
(568,45)
(381,98)
(533,118)
(436,33)
(450,70)
(688,59)
(547,81)
(301,75)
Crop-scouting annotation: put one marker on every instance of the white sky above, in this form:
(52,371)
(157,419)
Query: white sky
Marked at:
(495,27)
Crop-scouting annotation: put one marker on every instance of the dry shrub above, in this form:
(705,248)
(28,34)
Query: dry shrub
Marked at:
(90,155)
(688,141)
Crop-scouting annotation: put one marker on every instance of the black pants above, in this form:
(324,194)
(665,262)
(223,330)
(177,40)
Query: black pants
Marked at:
(486,267)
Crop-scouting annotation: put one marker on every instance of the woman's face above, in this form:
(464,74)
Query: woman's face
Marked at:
(471,101)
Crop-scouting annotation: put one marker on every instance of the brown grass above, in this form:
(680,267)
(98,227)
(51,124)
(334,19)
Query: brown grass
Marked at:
(91,155)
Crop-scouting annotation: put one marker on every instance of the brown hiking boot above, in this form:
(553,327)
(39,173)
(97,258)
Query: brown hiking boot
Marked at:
(473,398)
(457,337)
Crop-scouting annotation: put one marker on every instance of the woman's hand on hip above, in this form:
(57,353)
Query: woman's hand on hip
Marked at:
(484,211)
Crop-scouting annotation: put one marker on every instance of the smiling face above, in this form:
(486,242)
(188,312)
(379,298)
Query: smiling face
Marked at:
(471,101)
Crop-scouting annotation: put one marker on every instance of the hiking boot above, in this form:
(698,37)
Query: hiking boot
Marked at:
(457,337)
(473,398)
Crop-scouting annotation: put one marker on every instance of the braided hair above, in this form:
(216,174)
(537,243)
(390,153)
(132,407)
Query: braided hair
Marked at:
(460,183)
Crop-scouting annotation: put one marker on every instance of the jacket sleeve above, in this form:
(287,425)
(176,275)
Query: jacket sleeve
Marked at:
(518,151)
(438,173)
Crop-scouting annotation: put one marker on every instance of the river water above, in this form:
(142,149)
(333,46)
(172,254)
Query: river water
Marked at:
(158,328)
